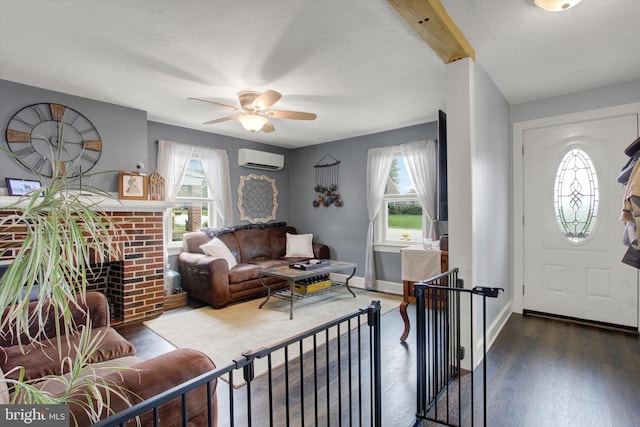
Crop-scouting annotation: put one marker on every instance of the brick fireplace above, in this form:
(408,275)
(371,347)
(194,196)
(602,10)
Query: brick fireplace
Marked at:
(133,285)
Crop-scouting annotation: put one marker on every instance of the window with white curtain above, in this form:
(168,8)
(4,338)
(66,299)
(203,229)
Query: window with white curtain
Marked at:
(401,219)
(194,200)
(197,181)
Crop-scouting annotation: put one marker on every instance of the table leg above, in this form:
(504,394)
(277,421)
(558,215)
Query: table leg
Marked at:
(405,319)
(292,298)
(268,292)
(346,283)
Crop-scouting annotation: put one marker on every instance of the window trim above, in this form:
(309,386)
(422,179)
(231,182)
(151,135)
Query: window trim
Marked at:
(381,243)
(175,247)
(212,218)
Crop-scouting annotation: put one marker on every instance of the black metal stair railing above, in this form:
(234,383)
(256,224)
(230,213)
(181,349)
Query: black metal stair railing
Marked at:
(337,382)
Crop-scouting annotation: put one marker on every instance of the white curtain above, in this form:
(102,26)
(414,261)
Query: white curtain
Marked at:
(216,168)
(420,159)
(173,159)
(378,167)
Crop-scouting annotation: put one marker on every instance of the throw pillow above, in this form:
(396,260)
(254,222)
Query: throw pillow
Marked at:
(217,249)
(299,245)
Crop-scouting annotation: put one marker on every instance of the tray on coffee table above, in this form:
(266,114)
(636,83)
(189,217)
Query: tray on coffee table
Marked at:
(292,275)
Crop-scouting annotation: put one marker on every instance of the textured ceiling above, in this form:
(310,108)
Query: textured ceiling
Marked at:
(355,63)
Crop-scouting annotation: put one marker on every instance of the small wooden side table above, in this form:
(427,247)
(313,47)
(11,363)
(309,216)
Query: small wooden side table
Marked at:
(418,264)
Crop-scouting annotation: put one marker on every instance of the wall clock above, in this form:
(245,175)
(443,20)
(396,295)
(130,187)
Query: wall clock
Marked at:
(33,136)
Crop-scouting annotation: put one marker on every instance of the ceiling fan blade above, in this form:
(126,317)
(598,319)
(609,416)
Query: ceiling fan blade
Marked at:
(223,119)
(268,127)
(295,115)
(266,99)
(230,107)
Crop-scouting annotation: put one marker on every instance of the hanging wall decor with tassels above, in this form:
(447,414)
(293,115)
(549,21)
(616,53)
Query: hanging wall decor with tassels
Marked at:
(326,187)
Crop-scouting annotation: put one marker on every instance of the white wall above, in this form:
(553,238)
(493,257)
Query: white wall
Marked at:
(479,168)
(492,197)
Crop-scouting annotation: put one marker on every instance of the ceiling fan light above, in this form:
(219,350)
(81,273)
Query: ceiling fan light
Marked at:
(252,122)
(556,5)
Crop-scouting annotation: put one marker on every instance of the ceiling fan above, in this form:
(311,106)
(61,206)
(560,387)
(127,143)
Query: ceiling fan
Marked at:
(254,112)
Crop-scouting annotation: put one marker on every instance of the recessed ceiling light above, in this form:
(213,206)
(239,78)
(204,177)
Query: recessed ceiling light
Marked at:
(556,5)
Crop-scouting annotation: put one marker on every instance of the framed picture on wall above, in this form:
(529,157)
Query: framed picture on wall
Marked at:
(132,186)
(20,187)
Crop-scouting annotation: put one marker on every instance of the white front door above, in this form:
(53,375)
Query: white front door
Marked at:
(572,262)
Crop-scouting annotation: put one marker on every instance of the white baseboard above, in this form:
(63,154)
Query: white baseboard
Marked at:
(493,330)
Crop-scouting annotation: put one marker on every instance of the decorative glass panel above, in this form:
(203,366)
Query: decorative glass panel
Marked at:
(576,195)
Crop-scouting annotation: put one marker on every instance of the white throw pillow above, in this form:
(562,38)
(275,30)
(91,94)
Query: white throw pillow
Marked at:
(217,249)
(299,245)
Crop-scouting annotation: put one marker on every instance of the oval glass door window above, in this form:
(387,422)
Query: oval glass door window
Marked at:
(576,195)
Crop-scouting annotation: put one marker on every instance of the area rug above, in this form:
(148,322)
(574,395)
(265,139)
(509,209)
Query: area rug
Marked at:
(223,334)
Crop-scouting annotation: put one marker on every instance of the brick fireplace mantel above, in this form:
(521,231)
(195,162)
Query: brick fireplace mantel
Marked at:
(135,284)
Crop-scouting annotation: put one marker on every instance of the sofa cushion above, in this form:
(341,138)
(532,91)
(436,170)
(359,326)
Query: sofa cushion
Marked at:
(270,263)
(253,244)
(243,272)
(47,325)
(43,358)
(217,249)
(95,370)
(142,379)
(299,245)
(278,240)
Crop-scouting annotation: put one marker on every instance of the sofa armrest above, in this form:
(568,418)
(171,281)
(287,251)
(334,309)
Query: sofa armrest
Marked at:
(205,278)
(321,251)
(154,376)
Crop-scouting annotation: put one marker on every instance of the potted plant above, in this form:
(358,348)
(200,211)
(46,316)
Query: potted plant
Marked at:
(66,236)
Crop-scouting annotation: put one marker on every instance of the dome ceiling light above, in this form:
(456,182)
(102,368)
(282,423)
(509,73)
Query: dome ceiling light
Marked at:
(556,5)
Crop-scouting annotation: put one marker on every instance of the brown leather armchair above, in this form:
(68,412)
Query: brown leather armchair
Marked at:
(114,360)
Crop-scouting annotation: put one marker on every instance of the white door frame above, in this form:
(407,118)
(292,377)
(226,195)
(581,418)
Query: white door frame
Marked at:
(518,181)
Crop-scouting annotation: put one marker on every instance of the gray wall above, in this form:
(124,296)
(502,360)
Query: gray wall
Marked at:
(160,131)
(492,194)
(128,138)
(607,96)
(344,229)
(123,131)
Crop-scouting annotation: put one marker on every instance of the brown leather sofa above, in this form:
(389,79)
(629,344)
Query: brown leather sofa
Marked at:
(114,360)
(255,247)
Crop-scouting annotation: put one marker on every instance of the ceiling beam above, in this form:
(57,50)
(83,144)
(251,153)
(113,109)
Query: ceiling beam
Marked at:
(432,23)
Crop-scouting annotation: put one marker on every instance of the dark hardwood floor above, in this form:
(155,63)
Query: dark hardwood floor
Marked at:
(541,372)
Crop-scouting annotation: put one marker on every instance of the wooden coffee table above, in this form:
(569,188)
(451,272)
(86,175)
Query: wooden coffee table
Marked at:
(293,275)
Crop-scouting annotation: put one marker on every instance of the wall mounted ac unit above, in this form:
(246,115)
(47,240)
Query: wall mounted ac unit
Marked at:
(260,159)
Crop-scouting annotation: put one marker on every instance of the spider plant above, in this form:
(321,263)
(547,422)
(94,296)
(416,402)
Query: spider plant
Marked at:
(66,238)
(83,386)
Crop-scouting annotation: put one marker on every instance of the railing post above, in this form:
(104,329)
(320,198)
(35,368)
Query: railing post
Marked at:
(374,323)
(421,351)
(247,370)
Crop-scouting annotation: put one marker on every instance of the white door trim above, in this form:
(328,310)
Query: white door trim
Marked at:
(518,183)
